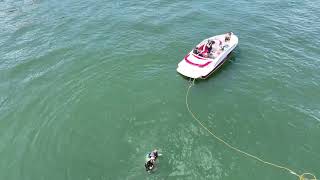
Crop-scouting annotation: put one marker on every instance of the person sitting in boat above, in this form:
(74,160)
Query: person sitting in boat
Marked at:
(205,49)
(196,50)
(228,37)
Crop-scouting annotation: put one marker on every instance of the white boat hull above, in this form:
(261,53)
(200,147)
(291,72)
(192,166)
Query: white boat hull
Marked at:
(195,66)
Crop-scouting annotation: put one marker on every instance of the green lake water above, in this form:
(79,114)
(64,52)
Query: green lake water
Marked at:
(87,88)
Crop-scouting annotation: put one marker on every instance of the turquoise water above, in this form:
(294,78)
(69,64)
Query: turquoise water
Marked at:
(88,87)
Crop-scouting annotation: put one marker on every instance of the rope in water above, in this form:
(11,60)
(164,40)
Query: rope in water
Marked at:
(301,177)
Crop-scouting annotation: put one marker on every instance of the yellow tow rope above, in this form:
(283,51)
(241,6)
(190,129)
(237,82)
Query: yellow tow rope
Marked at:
(303,176)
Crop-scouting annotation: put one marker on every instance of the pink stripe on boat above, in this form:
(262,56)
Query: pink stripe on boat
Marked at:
(195,64)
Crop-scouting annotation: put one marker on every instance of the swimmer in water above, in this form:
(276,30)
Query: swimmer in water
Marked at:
(154,154)
(150,164)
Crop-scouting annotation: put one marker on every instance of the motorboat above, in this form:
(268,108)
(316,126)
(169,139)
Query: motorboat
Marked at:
(207,56)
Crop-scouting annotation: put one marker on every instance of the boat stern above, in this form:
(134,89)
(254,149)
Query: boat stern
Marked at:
(188,71)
